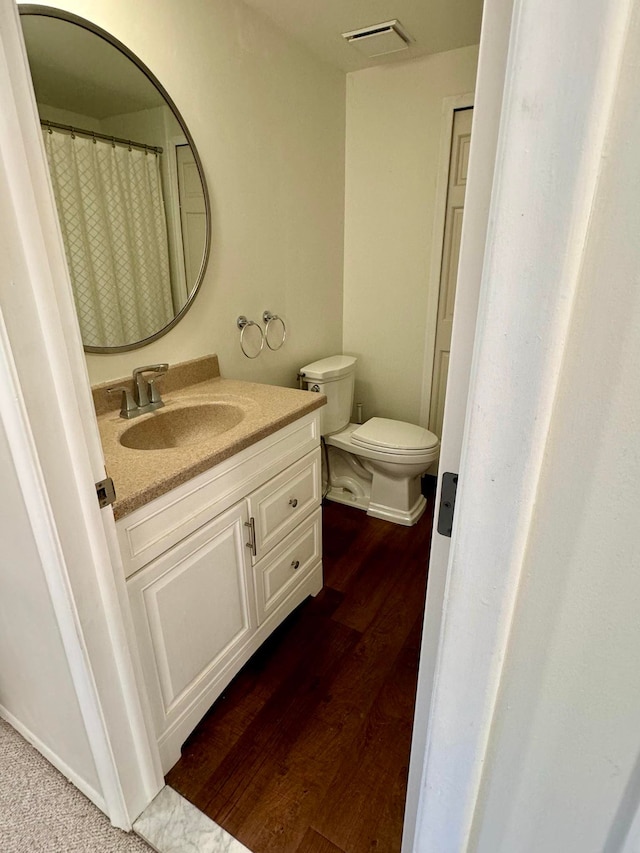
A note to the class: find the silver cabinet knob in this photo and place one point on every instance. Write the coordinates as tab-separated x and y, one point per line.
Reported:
295	565
293	502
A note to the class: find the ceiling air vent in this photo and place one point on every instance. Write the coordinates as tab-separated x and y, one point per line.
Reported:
379	39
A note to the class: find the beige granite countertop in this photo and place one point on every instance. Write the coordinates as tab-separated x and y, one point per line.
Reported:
140	476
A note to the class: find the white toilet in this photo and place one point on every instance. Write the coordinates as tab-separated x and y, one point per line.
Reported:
377	465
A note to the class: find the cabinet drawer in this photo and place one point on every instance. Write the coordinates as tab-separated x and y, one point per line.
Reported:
280	505
288	564
154	528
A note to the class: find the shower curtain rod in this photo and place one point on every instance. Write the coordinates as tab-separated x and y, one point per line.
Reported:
95	135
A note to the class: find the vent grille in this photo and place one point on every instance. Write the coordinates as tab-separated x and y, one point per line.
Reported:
379	39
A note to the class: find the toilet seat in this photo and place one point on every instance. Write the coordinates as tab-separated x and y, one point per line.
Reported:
397	437
344	440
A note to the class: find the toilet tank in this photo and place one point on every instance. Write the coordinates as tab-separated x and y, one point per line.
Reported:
333	376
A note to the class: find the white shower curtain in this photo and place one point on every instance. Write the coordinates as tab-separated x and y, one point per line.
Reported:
111	212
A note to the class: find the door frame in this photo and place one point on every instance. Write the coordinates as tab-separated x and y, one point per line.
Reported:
490	83
449	107
173	143
57	453
555	106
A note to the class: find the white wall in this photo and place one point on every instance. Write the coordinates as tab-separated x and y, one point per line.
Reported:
563	773
394	115
268	121
37	694
69	117
148	126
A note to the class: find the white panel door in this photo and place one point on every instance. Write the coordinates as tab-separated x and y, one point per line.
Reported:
458	167
192	213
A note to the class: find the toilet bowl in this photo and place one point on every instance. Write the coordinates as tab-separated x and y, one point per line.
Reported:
376	466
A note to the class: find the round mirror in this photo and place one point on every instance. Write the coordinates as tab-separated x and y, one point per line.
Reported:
129	186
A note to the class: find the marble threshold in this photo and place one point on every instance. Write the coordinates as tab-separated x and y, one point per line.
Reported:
171	824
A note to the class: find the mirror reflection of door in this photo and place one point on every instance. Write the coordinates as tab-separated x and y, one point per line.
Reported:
458	166
192	213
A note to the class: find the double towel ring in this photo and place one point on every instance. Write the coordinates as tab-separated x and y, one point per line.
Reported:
268	318
243	324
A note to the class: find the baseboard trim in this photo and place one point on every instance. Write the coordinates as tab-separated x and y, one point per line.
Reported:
81	784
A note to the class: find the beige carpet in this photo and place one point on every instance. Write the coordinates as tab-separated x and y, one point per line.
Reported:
41	812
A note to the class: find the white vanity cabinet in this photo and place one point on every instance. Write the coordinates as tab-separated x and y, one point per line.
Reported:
214	565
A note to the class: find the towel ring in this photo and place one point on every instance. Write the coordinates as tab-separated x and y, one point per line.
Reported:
243	324
268	318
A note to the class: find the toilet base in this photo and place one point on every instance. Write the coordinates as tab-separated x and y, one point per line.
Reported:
342	496
408	519
353	483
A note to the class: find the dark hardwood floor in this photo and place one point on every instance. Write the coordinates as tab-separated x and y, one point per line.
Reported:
307	750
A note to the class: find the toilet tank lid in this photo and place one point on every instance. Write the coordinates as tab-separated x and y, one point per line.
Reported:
326	369
394	435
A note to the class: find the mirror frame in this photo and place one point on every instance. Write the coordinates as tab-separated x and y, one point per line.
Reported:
49	12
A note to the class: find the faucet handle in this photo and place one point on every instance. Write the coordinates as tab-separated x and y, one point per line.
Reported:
154	394
129	408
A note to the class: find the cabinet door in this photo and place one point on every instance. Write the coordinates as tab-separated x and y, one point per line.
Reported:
281	504
193	608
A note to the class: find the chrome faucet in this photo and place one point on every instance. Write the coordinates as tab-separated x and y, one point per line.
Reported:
146	396
145	392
